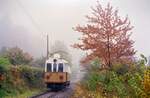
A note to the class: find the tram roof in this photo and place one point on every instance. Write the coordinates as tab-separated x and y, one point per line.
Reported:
59	60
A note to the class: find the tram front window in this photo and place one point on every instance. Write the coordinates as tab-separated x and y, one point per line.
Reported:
49	67
54	67
60	67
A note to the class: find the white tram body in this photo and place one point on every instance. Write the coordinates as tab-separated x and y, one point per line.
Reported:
57	72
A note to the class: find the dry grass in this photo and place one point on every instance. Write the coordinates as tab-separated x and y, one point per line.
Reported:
81	92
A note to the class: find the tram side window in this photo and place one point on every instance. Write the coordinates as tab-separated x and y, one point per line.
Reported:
60	67
49	67
54	67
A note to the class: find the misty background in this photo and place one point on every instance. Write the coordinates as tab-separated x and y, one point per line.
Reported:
25	23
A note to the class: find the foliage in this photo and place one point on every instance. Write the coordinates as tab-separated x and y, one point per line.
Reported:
17	56
108	81
144	59
120	69
122	81
92	81
7	86
115	84
146	82
25	94
4	61
134	84
18	79
95	64
4	64
106	36
80	91
33	77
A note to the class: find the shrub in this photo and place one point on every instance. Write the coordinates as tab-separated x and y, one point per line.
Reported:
92	81
120	69
4	65
114	85
95	64
4	61
134	82
122	81
20	78
7	86
146	82
108	81
81	92
33	77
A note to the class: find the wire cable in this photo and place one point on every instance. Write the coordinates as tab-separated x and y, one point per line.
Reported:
29	16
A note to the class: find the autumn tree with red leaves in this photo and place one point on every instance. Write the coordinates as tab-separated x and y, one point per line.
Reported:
106	36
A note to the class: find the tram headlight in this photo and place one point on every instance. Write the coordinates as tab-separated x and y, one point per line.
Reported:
47	77
61	77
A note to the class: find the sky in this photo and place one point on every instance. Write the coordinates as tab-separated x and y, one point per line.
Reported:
25	23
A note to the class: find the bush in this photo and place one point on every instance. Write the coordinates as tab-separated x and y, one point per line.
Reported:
119	81
115	84
4	61
120	69
92	81
4	65
109	81
81	92
33	77
146	82
7	86
20	78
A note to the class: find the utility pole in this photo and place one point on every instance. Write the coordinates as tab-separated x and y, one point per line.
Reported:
47	46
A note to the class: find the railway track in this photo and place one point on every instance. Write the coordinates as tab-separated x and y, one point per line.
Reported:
65	93
45	93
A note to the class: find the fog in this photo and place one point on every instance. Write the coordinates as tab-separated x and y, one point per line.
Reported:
25	23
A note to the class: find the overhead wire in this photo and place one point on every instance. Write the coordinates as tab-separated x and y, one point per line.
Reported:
30	17
33	22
